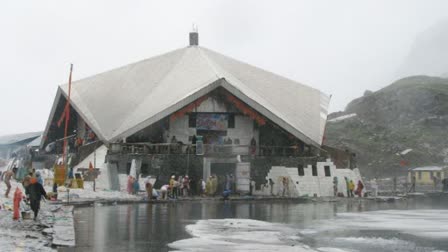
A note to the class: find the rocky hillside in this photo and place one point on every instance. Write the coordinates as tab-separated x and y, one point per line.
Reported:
411	113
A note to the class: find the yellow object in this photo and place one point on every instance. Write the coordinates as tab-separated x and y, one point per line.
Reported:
73	184
351	185
80	183
59	174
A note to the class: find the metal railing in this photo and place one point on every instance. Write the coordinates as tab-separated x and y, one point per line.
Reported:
209	149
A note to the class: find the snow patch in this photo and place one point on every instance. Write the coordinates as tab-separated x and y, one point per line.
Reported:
241	235
64	229
341	118
406	151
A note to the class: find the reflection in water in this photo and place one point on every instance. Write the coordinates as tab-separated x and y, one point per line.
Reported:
150	227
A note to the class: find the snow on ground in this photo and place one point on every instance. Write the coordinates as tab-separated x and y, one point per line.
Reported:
75	193
27	234
64	227
88	194
20	236
242	235
405	151
341	118
23	235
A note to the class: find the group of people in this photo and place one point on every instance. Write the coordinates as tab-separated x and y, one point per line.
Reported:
284	189
34	191
179	186
350	186
185	186
133	187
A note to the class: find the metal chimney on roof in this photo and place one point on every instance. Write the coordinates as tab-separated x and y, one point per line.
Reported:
194	36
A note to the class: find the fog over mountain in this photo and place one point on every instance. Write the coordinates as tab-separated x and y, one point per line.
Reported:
429	54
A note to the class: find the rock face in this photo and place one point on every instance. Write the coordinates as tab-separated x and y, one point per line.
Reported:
411	113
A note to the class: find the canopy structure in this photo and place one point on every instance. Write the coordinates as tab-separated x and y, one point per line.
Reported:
19	138
120	102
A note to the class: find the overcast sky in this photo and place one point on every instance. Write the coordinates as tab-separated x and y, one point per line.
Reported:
339	47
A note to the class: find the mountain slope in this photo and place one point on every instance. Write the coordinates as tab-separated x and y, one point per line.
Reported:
411	113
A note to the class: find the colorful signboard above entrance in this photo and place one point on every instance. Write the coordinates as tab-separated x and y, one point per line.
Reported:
211	121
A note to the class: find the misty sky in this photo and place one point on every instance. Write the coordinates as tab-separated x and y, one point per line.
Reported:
339	47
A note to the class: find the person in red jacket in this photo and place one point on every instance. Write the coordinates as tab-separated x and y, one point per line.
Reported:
359	189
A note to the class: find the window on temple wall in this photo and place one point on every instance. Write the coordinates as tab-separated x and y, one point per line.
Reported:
144	169
327	171
231	121
192	120
301	170
438	174
314	170
419	175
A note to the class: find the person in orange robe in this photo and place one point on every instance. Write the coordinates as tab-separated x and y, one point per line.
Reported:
17	198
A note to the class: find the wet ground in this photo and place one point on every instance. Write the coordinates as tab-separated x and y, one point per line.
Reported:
408	225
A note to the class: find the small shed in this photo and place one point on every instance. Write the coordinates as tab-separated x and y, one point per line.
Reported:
425	174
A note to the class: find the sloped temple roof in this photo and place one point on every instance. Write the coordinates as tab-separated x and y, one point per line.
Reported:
122	101
17	138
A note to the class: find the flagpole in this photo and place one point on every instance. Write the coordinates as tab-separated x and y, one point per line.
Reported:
67	116
94	167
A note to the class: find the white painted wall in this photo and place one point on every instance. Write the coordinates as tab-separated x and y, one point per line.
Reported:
103	181
309	184
179	128
244	126
211	105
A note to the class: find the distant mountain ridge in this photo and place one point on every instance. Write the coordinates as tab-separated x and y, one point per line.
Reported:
411	113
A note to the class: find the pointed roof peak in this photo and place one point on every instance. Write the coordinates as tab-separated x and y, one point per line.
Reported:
160	85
